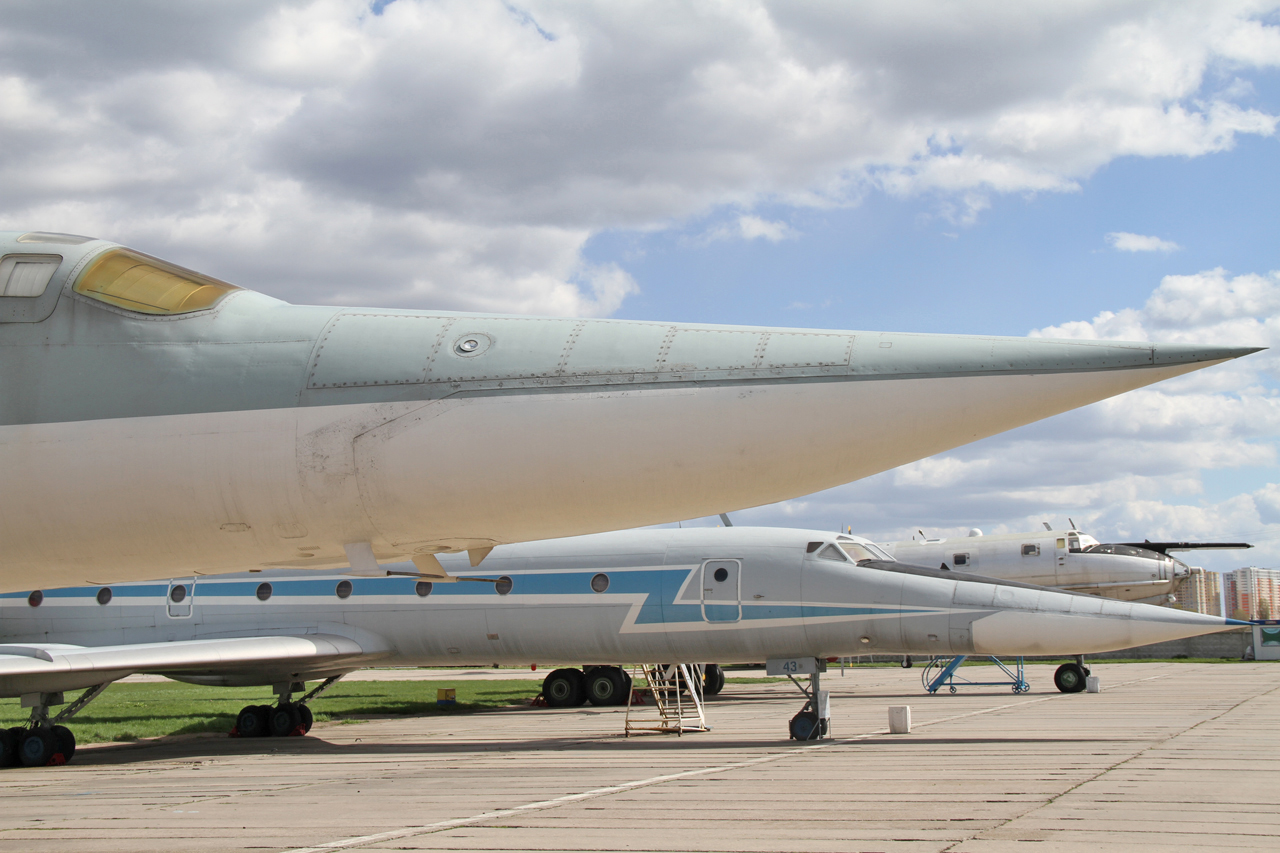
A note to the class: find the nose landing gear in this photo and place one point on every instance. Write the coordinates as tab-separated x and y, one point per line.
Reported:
1070	677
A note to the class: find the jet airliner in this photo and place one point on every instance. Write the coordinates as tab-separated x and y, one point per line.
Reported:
734	595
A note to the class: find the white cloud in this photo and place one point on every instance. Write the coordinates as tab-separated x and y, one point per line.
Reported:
749	227
1123	241
465	152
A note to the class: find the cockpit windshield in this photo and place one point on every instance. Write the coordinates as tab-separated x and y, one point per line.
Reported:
1125	551
860	551
139	282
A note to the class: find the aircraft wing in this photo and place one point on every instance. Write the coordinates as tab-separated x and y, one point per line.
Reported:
50	667
1166	547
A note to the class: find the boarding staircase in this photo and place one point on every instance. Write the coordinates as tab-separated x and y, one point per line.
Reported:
677	700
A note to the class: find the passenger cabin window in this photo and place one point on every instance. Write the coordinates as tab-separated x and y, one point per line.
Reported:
129	279
831	552
27	275
959	559
1031	550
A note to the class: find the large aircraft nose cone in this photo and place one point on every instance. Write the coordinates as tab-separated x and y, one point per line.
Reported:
1044	622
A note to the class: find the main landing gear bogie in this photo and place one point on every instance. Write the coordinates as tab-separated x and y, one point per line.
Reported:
603	686
44	741
286	719
600	685
37	746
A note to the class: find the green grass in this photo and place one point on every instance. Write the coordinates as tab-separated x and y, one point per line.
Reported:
127	712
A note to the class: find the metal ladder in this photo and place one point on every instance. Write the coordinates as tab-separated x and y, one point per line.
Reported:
676	700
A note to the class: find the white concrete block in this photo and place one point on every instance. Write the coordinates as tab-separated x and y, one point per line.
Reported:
900	719
1092	684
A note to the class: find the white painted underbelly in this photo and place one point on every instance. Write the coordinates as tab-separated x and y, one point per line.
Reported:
139	498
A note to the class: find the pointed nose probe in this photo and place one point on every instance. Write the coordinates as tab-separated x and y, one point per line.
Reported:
1017	620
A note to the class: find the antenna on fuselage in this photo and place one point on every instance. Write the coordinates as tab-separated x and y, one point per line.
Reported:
1046	525
724	516
1073	524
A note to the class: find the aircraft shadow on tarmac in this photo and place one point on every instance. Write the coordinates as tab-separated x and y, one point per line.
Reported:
217	748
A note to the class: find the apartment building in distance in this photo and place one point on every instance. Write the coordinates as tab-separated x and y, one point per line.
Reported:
1251	593
1200	593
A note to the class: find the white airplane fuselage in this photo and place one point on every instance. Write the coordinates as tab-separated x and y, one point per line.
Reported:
706	594
1066	559
155	421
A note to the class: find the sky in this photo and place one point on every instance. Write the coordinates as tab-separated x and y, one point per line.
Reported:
1088	170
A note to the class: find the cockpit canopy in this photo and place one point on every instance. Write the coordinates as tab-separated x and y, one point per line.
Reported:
138	282
1127	551
857	550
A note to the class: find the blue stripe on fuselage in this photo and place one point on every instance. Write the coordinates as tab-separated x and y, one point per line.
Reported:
659	586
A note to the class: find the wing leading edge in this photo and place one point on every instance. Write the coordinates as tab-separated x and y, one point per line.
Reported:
51	667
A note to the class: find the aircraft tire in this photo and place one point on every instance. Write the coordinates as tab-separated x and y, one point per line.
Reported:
1069	678
64	743
36	749
564	688
283	720
805	726
712	679
8	749
252	721
606	685
307	718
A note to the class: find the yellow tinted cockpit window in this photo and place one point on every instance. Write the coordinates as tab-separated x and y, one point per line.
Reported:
142	283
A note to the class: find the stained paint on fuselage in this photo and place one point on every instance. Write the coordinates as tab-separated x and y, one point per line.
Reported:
254	433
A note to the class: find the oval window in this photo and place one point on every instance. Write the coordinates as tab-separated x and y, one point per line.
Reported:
35	598
264	591
343	589
721	575
600	582
178	593
104	595
422	588
503	586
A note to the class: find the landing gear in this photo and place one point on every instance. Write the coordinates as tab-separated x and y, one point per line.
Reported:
286	718
712	679
284	721
37	748
252	721
44	740
806	725
8	748
814	720
64	743
564	688
1069	678
605	685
